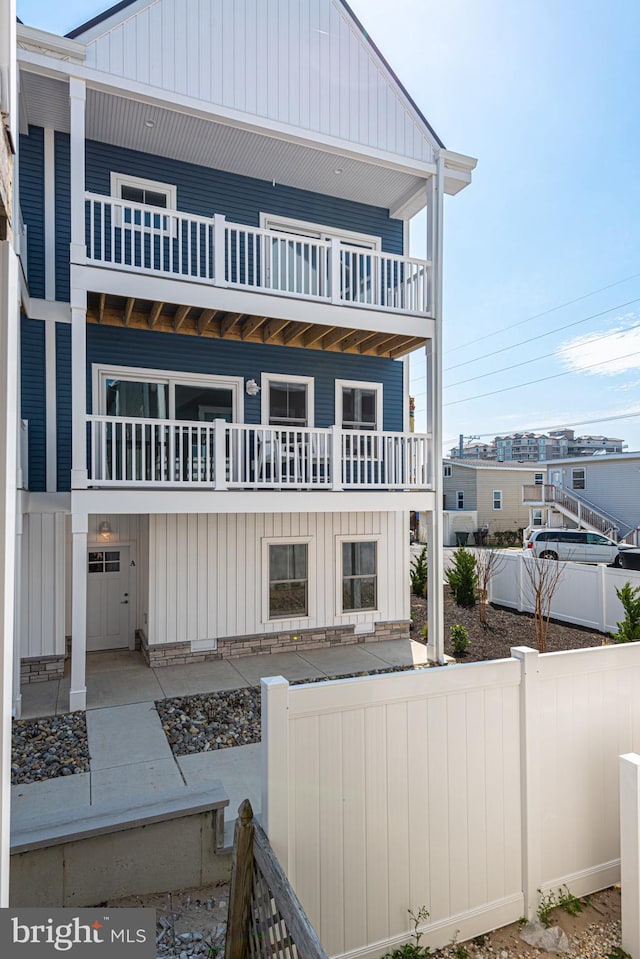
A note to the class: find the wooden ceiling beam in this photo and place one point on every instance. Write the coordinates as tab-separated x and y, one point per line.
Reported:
228	322
101	301
296	330
407	344
379	339
154	313
313	335
272	329
355	339
250	325
335	336
180	316
128	310
204	320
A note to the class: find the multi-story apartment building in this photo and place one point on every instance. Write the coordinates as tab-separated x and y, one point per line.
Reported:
523	447
221	298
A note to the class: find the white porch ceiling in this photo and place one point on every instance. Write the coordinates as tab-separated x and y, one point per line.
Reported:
121	121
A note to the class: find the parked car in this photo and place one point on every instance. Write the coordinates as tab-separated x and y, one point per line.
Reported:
631	558
579	545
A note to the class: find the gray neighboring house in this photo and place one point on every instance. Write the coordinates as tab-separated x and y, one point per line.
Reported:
601	493
483	493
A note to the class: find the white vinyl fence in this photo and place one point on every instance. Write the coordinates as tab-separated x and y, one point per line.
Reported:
586	595
463	788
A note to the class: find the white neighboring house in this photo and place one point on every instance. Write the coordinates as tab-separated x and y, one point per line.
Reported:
221	301
10	291
600	493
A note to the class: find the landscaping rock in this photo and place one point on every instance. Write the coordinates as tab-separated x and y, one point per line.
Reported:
551	939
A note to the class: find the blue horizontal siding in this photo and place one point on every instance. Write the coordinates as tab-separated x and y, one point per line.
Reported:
63	214
63	405
32	350
169	351
31	184
204	191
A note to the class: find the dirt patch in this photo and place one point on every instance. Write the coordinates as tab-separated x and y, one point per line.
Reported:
505	628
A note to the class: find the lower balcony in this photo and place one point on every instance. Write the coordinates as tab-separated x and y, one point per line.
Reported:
171	454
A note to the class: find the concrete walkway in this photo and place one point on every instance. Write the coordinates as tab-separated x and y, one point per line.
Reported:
130	755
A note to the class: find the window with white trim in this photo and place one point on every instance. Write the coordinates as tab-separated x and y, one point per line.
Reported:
358	405
537	518
446	471
137	189
459	499
359	575
497	499
318	231
538	479
287	400
167	394
288	580
579	478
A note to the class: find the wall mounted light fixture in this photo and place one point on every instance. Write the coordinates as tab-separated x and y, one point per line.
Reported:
104	530
252	388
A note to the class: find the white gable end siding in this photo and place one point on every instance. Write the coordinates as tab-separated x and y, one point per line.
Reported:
299	62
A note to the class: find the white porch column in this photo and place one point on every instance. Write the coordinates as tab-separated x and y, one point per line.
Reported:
77	98
78	691
435	207
17	618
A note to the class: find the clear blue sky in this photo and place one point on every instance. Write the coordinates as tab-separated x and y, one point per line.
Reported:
545	95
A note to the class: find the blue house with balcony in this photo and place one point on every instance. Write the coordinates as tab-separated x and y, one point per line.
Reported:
218	306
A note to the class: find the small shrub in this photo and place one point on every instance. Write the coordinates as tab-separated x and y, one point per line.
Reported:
419	572
425	632
460	639
629	627
412	950
462	577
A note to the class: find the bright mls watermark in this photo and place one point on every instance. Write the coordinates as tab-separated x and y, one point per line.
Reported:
121	933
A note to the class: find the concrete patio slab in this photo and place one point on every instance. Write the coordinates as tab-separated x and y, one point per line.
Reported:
237	768
343	659
122	735
39	699
195	678
400	652
289	665
135	781
123	686
30	800
110	659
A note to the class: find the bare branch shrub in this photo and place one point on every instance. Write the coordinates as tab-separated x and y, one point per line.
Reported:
488	563
542	577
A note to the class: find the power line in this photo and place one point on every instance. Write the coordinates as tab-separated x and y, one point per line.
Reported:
541	336
536	316
556	426
542	379
545	356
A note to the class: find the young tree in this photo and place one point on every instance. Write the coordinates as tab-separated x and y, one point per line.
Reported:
488	563
542	577
629	627
462	577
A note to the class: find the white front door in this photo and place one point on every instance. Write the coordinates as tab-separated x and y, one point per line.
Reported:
108	598
556	477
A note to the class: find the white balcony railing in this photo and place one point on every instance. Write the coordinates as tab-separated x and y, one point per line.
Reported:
131	236
131	452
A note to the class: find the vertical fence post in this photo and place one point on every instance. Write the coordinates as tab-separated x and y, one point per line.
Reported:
220	454
530	775
335	280
275	765
630	851
219	251
237	940
336	458
602	595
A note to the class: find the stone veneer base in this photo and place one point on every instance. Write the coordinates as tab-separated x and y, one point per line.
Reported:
174	654
41	669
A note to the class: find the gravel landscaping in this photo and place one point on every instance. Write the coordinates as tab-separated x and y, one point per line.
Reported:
48	748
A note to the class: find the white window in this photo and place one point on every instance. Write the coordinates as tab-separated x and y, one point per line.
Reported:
104	561
460	499
359	575
538	479
167	394
287	400
286	572
358	405
318	231
537	518
497	499
139	190
446	470
578	478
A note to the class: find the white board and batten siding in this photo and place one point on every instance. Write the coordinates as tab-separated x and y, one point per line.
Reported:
464	789
208	576
42	579
303	63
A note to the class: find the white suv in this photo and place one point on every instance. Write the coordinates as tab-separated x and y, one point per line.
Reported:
579	545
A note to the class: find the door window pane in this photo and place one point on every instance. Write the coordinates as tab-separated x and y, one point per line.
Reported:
288	584
137	399
359	576
203	403
287	404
